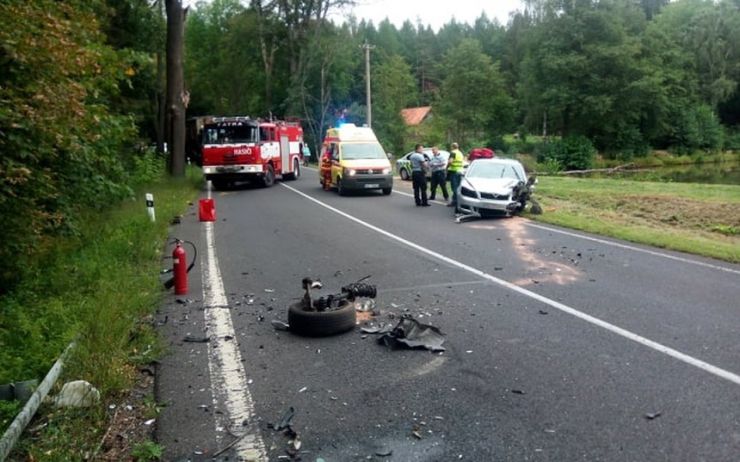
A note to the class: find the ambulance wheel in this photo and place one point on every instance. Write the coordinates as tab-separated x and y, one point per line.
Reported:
296	171
341	189
269	178
387	191
321	323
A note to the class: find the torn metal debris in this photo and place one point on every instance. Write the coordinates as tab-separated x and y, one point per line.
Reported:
409	333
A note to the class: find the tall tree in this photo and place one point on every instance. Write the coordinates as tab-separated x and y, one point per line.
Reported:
176	96
473	99
393	90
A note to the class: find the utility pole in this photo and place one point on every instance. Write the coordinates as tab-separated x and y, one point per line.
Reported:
367	47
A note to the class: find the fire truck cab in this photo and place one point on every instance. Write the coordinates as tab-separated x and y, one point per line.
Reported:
245	149
353	159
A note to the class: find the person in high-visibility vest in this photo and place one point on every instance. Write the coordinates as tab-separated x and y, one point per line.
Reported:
454	172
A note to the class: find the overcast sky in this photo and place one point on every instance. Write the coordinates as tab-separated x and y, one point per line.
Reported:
431	12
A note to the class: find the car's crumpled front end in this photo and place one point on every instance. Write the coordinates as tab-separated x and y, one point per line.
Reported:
488	196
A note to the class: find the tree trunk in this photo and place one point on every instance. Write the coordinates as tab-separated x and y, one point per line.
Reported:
175	87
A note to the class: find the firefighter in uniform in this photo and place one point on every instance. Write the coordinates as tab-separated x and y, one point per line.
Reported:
454	172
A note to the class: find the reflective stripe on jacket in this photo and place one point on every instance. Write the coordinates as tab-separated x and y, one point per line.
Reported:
456	161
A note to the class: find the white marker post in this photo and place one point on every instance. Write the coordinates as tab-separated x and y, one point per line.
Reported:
150	206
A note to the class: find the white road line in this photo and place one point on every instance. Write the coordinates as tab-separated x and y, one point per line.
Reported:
228	381
614	244
636	249
727	375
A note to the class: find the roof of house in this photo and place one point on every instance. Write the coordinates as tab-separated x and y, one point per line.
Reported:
415	115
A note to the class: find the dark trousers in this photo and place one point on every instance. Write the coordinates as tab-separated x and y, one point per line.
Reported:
419	181
455	178
439	178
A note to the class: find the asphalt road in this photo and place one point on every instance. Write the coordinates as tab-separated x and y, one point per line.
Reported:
559	346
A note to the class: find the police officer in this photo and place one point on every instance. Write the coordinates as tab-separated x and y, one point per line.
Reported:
454	172
418	176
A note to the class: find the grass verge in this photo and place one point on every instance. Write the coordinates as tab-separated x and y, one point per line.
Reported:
697	218
100	288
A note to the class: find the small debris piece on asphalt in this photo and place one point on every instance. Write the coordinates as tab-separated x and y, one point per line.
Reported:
284	421
518	392
192	339
280	325
410	333
384	452
302	389
652	415
182	301
543	312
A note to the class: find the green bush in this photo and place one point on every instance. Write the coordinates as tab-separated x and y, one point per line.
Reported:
572	152
696	128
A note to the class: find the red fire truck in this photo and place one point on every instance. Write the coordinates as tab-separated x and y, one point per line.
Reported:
245	149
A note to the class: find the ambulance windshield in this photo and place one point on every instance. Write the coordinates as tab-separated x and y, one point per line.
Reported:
352	151
229	133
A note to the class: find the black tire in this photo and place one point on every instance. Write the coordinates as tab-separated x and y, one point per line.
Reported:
404	174
269	177
341	189
387	191
296	171
321	323
219	184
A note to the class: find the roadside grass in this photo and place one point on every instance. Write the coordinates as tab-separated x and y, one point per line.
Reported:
99	288
701	219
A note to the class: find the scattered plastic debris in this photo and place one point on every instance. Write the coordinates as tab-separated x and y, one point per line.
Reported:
280	325
518	392
302	389
410	333
652	415
284	421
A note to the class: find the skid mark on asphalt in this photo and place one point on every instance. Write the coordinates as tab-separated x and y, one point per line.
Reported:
690	360
559	273
228	382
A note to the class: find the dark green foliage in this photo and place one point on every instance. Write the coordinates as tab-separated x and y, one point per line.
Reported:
64	147
571	153
696	128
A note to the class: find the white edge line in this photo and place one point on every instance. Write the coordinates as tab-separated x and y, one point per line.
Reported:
617	244
228	381
629	247
727	375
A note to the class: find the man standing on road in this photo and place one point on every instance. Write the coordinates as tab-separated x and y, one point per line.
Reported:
438	165
418	176
454	171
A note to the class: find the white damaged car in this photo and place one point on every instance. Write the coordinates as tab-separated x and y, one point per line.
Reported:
494	187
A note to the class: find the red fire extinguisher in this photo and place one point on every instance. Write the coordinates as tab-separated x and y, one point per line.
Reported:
180	269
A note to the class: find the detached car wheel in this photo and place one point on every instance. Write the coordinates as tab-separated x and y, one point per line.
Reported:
321	323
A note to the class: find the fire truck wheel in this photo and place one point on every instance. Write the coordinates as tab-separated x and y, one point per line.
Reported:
296	171
269	178
321	323
219	184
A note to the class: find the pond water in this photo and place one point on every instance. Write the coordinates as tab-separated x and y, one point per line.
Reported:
712	173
